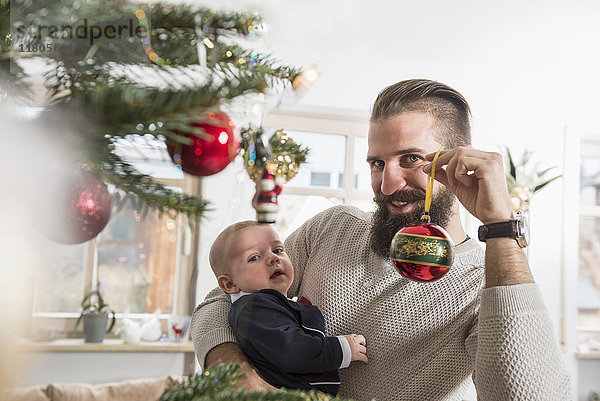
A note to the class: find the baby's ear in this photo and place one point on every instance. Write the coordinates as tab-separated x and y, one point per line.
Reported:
227	284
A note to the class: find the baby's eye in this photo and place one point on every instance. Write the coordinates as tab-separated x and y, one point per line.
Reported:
278	251
253	258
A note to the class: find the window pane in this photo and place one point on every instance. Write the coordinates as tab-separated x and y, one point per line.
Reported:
136	261
327	157
59	277
590	182
296	209
588	285
149	156
362	173
320	179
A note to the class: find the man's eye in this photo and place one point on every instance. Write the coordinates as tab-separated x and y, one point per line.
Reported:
377	163
253	258
411	159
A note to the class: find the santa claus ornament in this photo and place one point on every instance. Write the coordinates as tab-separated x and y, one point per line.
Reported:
265	201
423	251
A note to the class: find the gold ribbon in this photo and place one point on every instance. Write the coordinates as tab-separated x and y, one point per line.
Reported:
429	190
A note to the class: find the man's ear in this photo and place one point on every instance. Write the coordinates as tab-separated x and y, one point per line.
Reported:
227	284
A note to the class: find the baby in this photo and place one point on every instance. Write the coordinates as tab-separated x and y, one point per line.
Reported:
284	339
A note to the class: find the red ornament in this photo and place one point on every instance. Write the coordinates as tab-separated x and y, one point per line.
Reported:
422	252
81	211
212	151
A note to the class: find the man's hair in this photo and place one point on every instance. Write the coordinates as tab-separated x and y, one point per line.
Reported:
449	108
220	250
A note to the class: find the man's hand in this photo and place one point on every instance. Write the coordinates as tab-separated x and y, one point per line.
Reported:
358	346
477	179
231	353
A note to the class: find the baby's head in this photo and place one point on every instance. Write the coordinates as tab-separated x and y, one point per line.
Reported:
248	256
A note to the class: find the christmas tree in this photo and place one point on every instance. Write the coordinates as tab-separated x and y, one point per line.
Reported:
219	384
175	74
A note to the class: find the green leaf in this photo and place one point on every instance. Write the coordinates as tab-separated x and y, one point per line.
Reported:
525	158
543	172
542	185
512	168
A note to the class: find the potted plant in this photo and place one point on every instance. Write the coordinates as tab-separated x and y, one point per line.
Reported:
94	313
524	181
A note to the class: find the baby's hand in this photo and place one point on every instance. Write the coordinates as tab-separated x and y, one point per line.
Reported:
358	346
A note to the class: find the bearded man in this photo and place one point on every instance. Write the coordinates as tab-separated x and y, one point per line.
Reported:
485	321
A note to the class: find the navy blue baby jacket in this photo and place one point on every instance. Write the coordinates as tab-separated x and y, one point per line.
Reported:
285	341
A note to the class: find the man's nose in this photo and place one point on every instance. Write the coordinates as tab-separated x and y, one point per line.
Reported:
392	179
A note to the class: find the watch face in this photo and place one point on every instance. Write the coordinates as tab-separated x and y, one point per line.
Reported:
523	230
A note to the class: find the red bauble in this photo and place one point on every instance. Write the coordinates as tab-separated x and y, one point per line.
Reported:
211	152
422	252
80	209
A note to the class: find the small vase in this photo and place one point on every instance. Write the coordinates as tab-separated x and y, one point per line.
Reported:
94	326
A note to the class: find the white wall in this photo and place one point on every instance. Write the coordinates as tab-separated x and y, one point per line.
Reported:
528	69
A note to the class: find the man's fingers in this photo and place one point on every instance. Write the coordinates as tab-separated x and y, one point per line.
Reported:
463	165
360	339
361	355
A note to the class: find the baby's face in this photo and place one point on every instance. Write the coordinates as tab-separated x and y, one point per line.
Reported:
259	261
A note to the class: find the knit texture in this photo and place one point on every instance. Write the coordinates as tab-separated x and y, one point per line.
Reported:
424	340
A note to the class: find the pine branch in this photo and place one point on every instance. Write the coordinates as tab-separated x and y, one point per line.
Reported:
219	384
82	143
185	16
113	87
154	195
11	73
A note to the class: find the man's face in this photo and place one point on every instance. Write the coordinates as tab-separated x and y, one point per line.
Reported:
396	155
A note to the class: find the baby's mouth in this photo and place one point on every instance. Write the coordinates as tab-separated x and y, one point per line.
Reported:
276	274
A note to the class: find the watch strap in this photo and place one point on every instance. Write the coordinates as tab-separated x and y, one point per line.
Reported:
498	230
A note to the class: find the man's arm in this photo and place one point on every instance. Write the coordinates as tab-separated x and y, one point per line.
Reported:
515	353
214	341
231	353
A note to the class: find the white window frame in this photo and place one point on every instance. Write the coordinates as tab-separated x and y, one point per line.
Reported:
351	127
576	144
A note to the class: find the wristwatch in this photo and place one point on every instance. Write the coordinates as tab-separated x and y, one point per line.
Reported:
516	228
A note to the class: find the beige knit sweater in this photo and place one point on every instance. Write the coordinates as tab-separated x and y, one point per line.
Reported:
424	340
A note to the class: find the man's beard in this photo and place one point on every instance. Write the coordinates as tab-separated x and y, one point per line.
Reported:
386	224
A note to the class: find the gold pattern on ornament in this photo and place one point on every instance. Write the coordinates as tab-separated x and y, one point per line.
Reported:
416	247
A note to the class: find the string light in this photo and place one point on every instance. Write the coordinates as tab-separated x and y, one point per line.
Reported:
307	77
152	55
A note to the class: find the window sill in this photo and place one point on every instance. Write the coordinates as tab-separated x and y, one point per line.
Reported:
588	354
109	345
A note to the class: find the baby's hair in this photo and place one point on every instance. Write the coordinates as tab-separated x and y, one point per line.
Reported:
219	251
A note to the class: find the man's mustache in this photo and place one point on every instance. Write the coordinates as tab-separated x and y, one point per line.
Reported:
408	195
